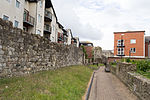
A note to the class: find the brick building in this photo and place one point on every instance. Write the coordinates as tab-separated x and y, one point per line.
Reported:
129	44
89	50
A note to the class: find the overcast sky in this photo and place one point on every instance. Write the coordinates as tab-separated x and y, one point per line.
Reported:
96	20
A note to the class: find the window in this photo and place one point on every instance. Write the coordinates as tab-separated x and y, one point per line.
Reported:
39	32
40	3
17	4
8	0
5	17
133	50
120	51
120	42
39	18
133	41
16	24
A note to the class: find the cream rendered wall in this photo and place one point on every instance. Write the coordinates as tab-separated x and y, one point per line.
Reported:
9	9
69	36
40	10
54	31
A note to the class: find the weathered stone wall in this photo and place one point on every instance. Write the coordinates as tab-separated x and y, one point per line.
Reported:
22	53
138	84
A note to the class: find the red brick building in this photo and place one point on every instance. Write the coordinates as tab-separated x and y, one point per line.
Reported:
89	49
129	44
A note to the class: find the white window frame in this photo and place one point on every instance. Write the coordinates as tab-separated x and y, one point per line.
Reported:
119	43
133	50
133	41
41	3
39	18
5	16
17	3
39	32
16	23
120	51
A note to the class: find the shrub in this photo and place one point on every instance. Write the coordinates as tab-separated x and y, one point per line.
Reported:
143	65
128	60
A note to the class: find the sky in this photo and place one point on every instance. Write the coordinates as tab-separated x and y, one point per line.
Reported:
97	20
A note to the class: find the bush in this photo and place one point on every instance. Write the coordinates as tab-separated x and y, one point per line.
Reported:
128	60
143	65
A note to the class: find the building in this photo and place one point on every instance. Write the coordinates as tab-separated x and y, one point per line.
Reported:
147	46
12	10
107	53
70	36
50	22
33	16
88	46
129	44
77	41
97	54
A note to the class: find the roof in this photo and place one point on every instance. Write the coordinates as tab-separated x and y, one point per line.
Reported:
48	4
129	32
86	42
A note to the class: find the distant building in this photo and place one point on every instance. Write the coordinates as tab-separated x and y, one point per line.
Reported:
108	53
147	46
129	44
77	41
89	49
97	54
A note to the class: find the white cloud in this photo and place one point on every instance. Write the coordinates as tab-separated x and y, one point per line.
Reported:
96	20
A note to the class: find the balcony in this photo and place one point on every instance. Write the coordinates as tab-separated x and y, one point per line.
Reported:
33	0
48	16
28	20
47	29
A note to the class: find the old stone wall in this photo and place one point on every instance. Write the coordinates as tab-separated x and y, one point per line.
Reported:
22	53
138	84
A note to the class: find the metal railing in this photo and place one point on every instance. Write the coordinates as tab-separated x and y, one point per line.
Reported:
48	14
47	28
28	19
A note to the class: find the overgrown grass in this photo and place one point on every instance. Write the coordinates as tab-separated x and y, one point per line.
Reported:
145	74
68	83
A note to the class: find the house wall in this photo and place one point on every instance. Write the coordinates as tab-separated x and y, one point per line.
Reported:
22	53
140	45
69	36
9	9
54	27
41	11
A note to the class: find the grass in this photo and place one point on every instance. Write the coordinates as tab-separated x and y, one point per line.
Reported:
68	83
145	74
95	67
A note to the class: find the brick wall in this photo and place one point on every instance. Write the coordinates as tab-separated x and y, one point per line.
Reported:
22	53
139	45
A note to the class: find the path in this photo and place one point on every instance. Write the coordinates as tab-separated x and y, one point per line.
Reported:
107	87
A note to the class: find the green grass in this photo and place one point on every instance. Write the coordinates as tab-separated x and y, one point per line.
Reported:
145	74
95	67
68	83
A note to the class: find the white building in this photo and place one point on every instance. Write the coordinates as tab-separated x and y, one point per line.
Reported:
77	40
69	32
12	10
33	16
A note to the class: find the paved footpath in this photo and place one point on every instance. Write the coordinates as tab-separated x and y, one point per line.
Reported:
107	87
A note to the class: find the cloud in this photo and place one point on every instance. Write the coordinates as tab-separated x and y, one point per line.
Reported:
96	20
68	16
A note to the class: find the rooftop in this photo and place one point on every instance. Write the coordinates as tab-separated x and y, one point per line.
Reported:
129	32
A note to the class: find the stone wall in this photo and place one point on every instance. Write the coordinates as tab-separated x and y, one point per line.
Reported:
138	84
22	53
